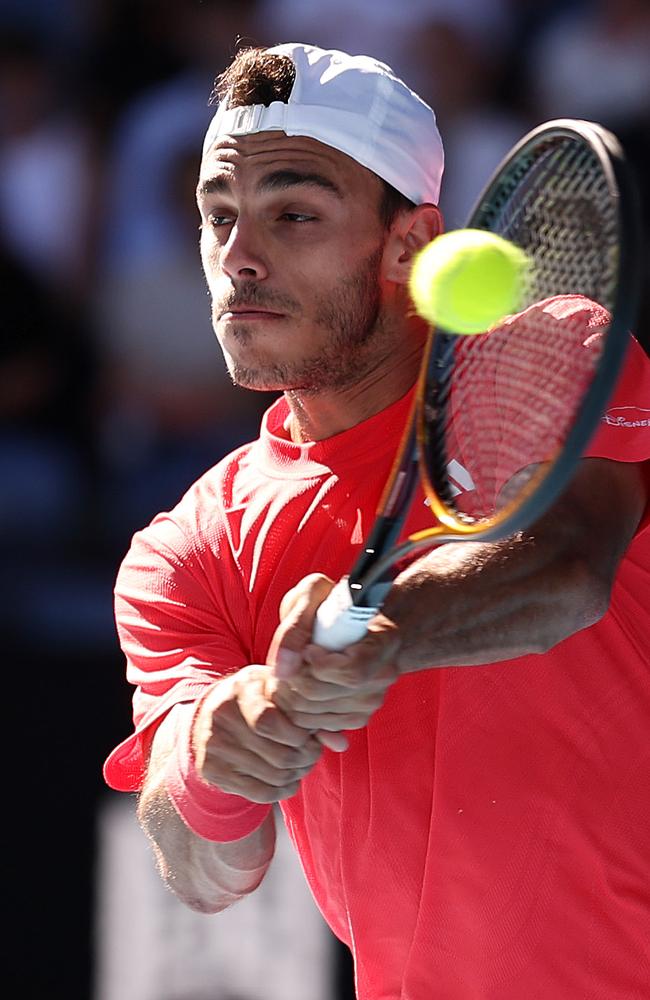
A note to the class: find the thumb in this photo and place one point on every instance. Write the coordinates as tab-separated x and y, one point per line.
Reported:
297	611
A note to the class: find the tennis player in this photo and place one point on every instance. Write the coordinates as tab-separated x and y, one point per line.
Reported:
472	834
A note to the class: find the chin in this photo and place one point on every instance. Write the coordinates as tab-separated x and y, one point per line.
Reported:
260	379
255	370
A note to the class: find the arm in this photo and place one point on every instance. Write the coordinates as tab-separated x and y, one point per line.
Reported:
471	603
206	876
222	752
244	746
496	601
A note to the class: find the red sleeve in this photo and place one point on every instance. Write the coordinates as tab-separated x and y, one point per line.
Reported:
624	430
174	612
623	434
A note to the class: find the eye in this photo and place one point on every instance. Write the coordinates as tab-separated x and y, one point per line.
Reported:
217	221
297	217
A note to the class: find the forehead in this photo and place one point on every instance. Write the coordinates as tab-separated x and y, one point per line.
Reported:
249	157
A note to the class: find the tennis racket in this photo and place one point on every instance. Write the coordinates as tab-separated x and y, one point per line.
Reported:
514	407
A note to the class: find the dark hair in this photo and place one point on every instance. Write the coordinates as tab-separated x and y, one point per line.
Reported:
256	76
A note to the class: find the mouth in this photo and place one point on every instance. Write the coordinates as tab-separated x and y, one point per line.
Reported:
250	313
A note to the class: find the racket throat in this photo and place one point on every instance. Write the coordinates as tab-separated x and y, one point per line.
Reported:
366	590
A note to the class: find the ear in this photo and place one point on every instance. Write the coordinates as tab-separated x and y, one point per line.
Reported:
411	232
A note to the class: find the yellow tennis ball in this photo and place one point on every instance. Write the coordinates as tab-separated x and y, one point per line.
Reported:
467	280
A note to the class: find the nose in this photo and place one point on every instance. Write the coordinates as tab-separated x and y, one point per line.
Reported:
242	255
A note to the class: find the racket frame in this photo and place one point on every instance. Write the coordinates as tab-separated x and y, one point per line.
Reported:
370	577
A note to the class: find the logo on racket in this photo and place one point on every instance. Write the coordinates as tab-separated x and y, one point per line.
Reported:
460	480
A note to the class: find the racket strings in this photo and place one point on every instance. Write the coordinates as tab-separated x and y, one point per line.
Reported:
505	406
514	400
566	221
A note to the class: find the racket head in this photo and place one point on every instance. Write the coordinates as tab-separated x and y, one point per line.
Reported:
512	410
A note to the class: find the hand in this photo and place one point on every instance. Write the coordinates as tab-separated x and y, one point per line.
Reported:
317	689
245	745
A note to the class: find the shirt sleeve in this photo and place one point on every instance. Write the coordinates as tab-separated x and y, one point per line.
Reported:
181	613
623	433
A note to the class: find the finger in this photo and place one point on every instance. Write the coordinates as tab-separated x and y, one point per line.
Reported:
229	767
263	718
348	670
291	702
298	610
304	689
371	659
258	791
308	688
333	722
280	755
310	583
234	763
338	742
266	794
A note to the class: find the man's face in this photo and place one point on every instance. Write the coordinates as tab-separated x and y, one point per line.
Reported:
292	245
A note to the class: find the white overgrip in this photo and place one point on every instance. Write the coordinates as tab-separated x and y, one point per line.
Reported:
338	622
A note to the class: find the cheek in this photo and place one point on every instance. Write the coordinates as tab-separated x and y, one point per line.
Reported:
209	255
217	281
313	275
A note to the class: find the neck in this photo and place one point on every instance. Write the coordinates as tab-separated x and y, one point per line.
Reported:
316	416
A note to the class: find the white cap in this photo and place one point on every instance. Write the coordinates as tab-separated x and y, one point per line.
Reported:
356	105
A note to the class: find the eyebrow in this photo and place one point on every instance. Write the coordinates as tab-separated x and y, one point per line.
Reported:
278	180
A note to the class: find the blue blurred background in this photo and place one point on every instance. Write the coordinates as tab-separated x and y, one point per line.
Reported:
113	395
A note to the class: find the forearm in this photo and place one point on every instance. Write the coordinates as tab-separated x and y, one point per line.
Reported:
468	604
472	603
207	876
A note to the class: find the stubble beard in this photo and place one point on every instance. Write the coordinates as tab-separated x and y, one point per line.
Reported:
351	313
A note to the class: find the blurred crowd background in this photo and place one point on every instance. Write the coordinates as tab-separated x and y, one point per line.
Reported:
113	395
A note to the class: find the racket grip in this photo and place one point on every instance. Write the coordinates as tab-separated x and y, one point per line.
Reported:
339	622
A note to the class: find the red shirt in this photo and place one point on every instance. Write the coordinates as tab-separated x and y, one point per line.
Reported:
487	835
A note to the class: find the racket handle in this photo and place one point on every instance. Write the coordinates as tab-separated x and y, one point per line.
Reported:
339	622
